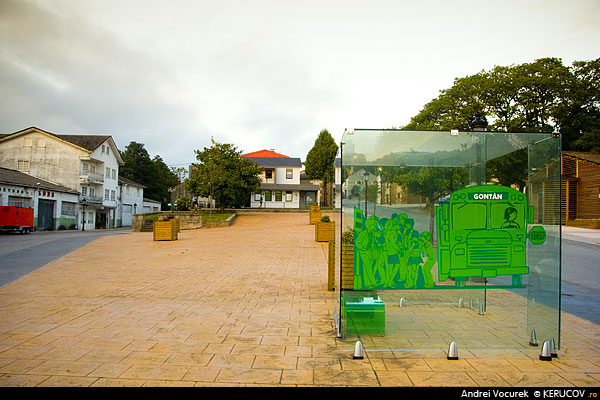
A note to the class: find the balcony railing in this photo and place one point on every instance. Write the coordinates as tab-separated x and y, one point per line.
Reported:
91	177
91	199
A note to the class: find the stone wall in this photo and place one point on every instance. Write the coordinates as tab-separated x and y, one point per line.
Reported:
187	220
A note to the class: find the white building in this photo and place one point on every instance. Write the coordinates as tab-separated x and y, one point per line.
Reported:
86	164
131	200
151	206
54	206
337	194
281	186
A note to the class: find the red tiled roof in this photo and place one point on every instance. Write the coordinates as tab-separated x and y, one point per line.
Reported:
265	153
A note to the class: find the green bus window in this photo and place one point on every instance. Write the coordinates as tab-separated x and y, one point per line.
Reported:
469	216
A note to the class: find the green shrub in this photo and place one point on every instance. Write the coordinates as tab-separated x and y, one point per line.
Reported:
348	237
325	218
184	204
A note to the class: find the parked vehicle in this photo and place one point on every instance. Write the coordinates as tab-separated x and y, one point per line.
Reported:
16	219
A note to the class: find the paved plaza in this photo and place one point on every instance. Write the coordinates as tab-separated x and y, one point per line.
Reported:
244	305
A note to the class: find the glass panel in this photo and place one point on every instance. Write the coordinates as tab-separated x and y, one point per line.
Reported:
438	247
544	280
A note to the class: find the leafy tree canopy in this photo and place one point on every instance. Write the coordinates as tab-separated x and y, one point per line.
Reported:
223	175
152	173
432	183
321	158
543	96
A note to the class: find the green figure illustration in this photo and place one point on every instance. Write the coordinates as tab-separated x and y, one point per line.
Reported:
428	251
414	259
482	231
402	254
510	216
378	250
393	252
364	245
406	247
388	253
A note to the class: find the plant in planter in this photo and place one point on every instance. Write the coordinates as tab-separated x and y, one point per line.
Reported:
314	214
324	229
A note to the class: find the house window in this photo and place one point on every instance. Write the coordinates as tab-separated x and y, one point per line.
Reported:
289	173
278	195
27	142
102	149
23	165
267	195
112	195
68	209
257	197
288	196
92	192
92	169
107	173
114	174
84	190
269	174
85	169
107	150
105	194
41	143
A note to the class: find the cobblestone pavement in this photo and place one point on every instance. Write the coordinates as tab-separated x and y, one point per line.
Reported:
245	305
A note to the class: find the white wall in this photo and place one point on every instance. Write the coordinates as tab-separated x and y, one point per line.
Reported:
294	203
106	154
280	176
50	159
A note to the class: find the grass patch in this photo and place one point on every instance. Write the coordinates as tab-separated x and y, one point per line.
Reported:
216	216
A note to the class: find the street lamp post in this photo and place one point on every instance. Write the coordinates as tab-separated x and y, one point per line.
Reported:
479	124
366	175
84	205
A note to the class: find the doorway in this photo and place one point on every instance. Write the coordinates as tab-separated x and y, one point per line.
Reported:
45	220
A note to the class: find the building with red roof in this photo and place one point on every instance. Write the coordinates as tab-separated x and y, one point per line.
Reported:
281	183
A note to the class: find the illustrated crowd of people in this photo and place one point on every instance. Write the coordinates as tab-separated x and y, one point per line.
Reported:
391	251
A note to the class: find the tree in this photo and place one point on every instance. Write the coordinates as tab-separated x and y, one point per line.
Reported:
320	162
432	182
184	204
543	96
165	179
152	173
138	166
223	175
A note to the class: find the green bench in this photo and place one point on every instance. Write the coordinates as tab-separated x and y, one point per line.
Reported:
363	313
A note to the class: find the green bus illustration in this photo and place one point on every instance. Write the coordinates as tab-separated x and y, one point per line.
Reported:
482	232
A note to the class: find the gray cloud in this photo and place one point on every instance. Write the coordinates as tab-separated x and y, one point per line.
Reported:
64	74
260	74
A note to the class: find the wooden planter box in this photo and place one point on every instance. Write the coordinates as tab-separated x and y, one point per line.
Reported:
324	231
165	230
314	215
347	266
331	266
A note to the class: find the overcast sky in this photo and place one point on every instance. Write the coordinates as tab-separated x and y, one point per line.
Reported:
260	74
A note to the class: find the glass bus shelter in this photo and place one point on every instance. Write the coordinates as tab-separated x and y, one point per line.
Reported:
435	249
